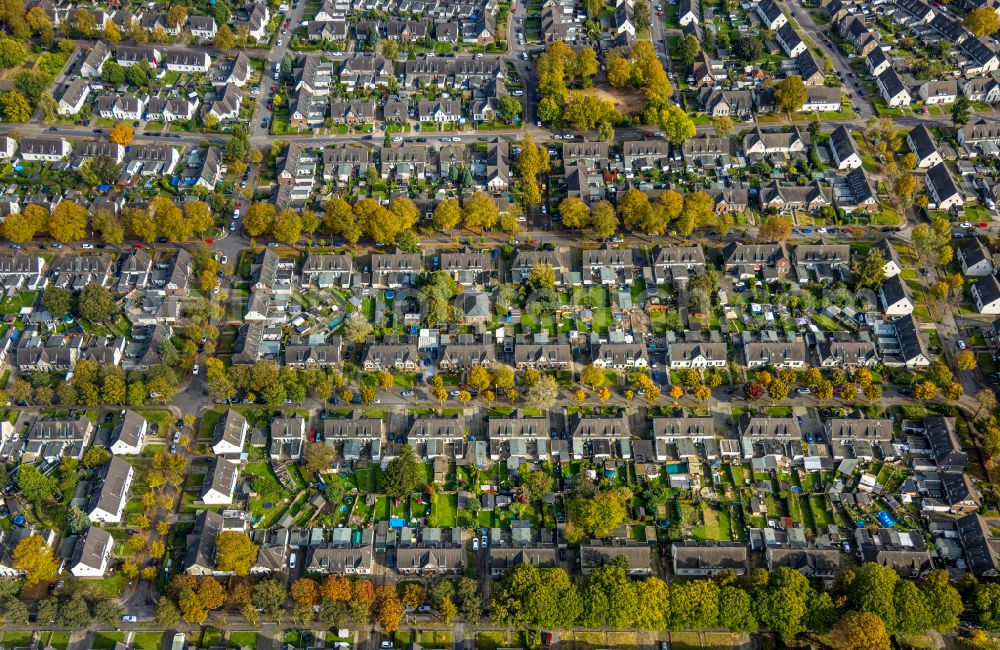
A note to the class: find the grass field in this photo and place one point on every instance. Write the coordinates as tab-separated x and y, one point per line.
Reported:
444	509
147	640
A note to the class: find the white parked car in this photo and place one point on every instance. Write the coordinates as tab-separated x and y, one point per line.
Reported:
129	619
194	371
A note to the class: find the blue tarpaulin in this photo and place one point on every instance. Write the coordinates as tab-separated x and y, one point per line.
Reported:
886	520
396	522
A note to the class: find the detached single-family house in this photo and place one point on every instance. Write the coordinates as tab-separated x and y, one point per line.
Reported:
129	434
973	257
91	553
219	486
107	503
986	295
921	143
895	297
230	434
73	97
943	190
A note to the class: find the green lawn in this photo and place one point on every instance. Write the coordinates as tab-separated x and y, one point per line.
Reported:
147	640
444	509
243	639
208	422
102	641
20	640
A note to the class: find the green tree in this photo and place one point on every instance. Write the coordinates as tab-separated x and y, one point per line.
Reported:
404	474
603	219
776	228
723	125
598	515
910	604
609	598
961	108
259	218
987	605
653	604
542	394
68	222
790	94
287	227
57	300
15	107
694	605
869	271
676	124
12	53
873	591
356	327
782	604
224	39
944	603
534	484
481	212
269	596
35	486
447	214
736	610
575	213
96	304
526	596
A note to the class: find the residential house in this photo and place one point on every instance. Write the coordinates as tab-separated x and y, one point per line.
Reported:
904	552
468	268
390	356
877	62
893	265
44	149
895	297
704	560
921	143
395	270
973	257
327	270
942	189
776	354
129	434
893	89
982	554
95	59
107	502
677	263
187	61
638	557
938	91
986	295
229	434
790	41
608	266
697	354
771	16
92	553
73	97
219	486
543	356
